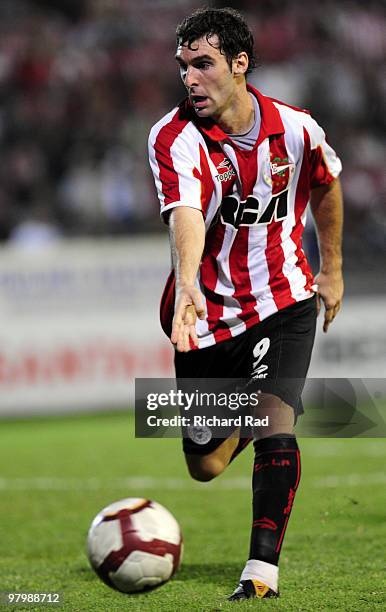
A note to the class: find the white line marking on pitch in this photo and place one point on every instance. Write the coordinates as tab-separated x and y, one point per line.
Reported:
149	482
331	449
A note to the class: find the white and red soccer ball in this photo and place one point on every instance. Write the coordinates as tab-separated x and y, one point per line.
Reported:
135	545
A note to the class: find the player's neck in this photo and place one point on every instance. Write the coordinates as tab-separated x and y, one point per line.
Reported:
239	116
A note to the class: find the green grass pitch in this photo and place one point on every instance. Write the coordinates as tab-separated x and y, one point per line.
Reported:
56	474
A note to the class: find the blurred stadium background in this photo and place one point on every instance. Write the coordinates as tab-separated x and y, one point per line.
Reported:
83	255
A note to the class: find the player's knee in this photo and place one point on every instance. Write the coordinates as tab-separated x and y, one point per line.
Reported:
276	416
205	469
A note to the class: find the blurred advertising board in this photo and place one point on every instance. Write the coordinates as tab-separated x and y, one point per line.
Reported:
79	322
354	346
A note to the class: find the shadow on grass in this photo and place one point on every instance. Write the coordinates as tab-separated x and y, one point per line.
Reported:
211	573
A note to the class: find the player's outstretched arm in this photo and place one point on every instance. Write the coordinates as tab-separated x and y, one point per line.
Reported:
327	208
187	239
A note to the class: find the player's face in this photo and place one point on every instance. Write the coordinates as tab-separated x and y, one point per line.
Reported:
207	76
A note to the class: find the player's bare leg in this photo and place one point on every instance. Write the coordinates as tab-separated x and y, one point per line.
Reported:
207	467
281	421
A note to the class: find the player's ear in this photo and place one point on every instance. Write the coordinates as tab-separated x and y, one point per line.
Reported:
240	64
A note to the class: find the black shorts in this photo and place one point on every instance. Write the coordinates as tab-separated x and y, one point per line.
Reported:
273	355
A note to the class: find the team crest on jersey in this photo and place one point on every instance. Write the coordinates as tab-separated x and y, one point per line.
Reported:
225	171
278	173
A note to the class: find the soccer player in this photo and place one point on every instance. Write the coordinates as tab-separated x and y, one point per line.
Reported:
234	171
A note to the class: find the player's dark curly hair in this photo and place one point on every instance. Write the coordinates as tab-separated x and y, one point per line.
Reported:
229	25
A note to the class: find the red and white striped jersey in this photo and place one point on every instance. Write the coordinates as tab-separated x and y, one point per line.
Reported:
254	205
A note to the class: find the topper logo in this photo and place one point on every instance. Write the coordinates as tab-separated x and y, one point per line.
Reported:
226	166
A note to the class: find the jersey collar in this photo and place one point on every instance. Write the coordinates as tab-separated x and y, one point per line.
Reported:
271	122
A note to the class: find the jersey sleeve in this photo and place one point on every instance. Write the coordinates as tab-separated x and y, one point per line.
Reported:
325	165
174	168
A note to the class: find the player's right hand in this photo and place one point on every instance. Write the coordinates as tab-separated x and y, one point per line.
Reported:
189	306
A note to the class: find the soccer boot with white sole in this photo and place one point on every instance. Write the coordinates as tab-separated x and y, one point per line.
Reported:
250	589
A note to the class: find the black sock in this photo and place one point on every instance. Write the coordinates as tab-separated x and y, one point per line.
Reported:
276	476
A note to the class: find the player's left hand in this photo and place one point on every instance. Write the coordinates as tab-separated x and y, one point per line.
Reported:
330	289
